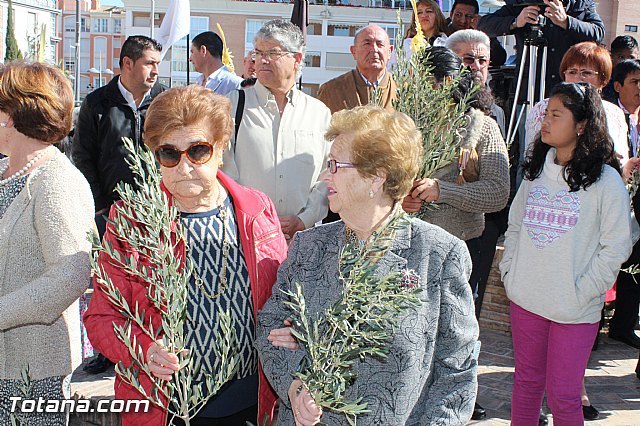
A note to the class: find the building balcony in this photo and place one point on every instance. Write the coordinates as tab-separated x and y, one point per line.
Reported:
380	4
44	4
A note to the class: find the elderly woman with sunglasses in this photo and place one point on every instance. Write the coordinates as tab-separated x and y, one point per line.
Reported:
232	235
429	376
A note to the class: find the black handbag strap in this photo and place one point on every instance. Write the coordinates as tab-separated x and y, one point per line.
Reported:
239	112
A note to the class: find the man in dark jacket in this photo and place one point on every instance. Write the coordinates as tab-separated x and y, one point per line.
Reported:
110	113
567	23
464	16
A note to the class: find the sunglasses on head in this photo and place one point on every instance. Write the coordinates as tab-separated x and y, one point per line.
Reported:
198	153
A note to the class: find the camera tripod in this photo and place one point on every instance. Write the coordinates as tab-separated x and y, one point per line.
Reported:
534	40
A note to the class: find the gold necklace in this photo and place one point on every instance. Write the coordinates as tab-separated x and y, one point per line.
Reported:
222	210
225	255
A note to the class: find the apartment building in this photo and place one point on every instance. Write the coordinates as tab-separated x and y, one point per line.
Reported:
30	18
102	32
330	32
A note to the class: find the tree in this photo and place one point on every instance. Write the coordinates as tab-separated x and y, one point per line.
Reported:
12	51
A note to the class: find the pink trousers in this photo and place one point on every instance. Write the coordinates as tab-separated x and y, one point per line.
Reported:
548	356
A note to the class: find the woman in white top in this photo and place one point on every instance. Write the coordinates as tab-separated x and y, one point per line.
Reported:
590	63
433	25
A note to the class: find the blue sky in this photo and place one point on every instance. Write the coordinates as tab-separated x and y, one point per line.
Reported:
112	3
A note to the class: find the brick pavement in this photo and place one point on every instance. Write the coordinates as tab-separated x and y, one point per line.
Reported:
611	381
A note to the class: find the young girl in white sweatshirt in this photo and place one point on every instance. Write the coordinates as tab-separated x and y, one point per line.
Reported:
569	232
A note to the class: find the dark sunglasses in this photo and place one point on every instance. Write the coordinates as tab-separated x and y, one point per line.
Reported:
198	153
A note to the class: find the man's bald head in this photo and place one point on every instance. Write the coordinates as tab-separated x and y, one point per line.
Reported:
371	50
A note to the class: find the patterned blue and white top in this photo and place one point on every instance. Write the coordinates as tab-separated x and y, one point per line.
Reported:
206	233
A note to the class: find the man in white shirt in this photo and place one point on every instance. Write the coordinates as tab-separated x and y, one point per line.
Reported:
280	147
206	57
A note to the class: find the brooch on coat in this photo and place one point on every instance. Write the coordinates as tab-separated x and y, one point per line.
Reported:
410	279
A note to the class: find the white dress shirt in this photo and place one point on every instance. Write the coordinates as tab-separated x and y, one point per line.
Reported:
282	155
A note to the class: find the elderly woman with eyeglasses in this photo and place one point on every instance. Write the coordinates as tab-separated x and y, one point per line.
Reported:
429	376
234	238
590	63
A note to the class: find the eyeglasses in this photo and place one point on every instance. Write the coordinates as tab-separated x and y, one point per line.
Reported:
198	153
333	166
469	60
573	72
269	54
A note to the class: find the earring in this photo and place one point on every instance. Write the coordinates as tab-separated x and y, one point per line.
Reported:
371	193
3	124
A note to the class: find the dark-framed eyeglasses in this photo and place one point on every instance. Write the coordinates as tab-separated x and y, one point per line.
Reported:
198	153
333	166
268	54
469	60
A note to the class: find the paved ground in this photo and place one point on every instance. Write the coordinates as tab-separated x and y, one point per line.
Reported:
611	382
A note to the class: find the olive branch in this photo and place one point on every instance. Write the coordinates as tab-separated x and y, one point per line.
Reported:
360	324
439	118
148	225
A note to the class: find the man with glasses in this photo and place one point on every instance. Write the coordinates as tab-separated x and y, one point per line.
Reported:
464	16
206	57
279	146
472	47
371	50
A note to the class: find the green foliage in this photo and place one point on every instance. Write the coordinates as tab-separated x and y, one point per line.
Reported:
149	227
12	51
438	117
358	325
432	107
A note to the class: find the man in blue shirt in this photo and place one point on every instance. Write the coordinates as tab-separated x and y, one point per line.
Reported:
206	57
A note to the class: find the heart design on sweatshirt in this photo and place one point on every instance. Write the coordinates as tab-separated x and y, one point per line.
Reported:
548	217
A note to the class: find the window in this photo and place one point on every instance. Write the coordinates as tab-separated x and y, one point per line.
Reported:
253	26
392	30
117	26
342	30
53	50
100	53
84	25
141	19
314	28
54	25
200	24
100	25
32	21
179	53
312	60
70	65
69	24
631	28
340	61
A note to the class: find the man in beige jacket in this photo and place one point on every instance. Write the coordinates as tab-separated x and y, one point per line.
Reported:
371	50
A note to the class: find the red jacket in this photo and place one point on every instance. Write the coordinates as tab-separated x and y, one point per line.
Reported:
264	247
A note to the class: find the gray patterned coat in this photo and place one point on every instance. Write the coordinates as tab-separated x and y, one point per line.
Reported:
429	377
